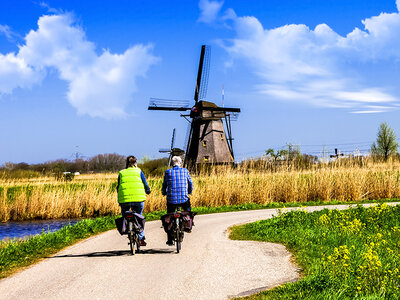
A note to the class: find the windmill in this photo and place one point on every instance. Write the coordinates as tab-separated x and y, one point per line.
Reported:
207	142
172	151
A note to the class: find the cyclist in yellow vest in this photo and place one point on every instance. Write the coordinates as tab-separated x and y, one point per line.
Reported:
132	189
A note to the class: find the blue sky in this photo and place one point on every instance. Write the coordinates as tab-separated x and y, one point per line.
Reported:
78	75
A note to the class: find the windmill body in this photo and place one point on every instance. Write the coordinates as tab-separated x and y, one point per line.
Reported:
208	141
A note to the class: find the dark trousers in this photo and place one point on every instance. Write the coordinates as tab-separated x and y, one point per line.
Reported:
173	207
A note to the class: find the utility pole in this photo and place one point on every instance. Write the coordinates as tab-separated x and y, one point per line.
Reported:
76	153
324	154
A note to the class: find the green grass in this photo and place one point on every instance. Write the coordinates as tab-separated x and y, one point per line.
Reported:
352	254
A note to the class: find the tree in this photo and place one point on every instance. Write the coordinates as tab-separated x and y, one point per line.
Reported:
386	144
293	151
109	162
280	154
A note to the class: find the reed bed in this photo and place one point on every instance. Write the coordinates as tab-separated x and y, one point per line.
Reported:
95	195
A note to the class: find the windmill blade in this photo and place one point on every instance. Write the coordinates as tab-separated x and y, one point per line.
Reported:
168	104
222	109
203	73
173	139
164	150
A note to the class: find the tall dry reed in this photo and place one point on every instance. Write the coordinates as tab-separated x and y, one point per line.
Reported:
95	195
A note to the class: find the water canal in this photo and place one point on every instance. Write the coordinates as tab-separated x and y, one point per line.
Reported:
10	230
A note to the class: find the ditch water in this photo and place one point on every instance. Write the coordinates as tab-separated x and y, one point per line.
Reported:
10	230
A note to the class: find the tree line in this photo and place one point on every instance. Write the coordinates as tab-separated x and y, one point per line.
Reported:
101	163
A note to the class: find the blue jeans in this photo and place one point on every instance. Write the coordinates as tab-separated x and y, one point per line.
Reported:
137	207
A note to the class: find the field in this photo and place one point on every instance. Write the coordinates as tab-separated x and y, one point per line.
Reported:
352	254
95	195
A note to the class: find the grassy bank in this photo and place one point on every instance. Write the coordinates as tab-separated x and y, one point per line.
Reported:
352	254
17	254
95	195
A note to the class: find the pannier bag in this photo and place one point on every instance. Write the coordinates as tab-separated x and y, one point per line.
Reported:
137	220
186	217
167	221
187	220
121	225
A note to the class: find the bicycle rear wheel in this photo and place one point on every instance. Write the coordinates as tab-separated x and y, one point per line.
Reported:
178	241
137	243
131	242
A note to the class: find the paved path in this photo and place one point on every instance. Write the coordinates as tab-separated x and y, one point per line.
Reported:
209	266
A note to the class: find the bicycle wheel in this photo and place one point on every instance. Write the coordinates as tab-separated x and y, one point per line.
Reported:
131	242
178	242
137	242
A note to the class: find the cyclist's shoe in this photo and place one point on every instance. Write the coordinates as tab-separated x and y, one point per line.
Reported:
143	243
170	243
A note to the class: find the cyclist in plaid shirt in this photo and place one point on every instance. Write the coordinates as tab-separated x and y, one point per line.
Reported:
177	186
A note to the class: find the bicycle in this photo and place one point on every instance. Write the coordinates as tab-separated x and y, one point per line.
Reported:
179	226
177	231
133	232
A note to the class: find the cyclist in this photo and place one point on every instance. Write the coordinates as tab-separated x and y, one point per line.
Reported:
132	189
177	186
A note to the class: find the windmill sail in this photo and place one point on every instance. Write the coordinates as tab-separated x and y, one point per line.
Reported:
203	74
168	104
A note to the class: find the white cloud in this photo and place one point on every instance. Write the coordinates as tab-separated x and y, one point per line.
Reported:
99	85
49	8
15	73
319	66
6	30
209	10
8	33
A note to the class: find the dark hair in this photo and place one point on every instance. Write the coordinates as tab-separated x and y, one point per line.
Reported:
131	161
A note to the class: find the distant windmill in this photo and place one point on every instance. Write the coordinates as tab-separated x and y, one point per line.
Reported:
172	151
207	141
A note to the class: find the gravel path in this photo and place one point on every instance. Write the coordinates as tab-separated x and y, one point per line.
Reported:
209	266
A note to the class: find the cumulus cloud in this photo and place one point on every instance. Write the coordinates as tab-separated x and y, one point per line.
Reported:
319	66
209	10
14	73
100	85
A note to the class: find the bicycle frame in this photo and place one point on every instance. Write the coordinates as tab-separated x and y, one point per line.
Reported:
133	236
177	230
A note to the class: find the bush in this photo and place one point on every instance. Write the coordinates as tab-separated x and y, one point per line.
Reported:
154	167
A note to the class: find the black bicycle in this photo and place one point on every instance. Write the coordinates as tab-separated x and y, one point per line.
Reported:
177	232
181	222
133	232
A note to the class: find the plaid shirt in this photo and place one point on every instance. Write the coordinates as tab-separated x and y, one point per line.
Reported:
177	185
